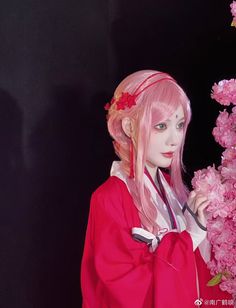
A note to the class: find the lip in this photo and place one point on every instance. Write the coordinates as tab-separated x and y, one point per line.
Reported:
168	154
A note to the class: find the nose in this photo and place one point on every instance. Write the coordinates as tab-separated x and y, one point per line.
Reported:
173	138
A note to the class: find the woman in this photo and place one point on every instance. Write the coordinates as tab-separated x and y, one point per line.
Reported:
146	240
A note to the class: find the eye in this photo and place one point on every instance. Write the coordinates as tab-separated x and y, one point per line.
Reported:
181	125
161	126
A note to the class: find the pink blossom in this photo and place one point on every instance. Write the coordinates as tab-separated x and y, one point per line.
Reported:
214	267
228	171
222	235
229	286
206	179
228	155
217	226
233	8
233	269
225	130
209	182
230	197
219	185
221	209
233	11
225	256
224	92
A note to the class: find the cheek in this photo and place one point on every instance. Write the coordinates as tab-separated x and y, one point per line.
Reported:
180	137
155	143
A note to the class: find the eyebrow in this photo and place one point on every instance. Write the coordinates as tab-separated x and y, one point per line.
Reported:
183	118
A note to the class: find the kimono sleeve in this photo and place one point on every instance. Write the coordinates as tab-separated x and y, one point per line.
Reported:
175	282
116	270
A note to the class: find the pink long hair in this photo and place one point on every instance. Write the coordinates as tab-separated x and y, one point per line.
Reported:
158	97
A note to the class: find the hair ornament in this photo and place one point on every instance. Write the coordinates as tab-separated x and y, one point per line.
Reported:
127	100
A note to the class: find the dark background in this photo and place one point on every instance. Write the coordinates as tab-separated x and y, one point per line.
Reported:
60	61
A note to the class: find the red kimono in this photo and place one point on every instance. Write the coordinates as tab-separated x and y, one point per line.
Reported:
119	272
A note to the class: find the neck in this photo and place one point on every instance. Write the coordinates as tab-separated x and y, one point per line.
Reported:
152	171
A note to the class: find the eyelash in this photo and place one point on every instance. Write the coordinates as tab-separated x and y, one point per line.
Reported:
180	126
158	126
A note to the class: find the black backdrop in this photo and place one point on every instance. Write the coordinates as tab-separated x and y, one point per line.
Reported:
59	63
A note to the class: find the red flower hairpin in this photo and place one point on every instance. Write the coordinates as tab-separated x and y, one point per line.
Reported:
126	100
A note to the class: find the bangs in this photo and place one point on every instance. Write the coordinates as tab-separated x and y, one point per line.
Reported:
165	100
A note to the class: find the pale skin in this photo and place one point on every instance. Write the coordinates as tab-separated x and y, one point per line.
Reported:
166	137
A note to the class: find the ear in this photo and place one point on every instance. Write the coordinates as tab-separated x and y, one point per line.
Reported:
128	126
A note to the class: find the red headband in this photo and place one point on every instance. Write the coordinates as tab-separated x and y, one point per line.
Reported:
127	100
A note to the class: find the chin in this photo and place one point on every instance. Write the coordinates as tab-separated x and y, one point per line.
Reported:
166	163
160	163
164	166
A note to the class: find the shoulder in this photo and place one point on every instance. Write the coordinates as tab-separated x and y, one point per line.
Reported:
113	200
110	195
111	188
